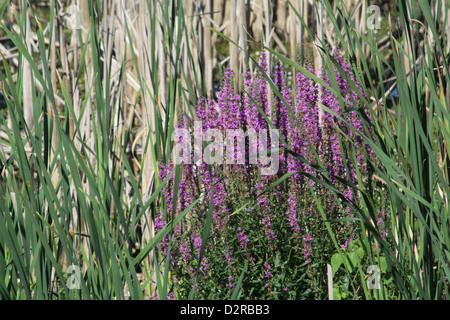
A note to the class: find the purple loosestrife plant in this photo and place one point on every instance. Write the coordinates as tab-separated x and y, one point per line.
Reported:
278	231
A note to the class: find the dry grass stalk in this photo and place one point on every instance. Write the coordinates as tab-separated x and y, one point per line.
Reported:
319	25
234	50
27	74
208	49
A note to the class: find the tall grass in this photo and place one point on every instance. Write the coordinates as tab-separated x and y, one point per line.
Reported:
411	141
86	126
412	147
76	187
411	144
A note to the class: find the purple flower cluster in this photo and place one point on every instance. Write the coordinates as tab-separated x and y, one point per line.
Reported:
251	223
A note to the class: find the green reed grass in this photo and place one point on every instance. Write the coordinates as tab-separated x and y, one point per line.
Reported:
412	148
46	187
40	235
411	144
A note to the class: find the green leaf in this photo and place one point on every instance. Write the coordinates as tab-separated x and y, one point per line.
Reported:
382	263
336	294
360	252
237	286
336	261
354	259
